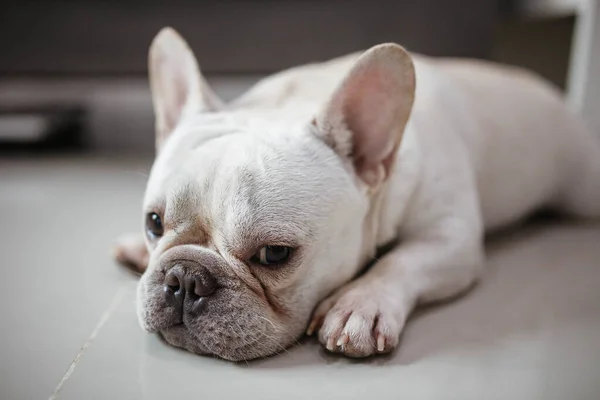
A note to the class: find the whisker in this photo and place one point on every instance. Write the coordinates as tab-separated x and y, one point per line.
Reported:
282	328
244	341
134	172
275	342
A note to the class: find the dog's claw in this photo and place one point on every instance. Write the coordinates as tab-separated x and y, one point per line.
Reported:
343	340
380	343
311	327
330	343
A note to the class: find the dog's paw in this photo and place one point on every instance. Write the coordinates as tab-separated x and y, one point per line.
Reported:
358	322
130	251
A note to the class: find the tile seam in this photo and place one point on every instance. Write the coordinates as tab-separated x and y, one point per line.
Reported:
116	300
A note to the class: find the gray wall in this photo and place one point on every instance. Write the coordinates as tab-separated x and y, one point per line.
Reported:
254	36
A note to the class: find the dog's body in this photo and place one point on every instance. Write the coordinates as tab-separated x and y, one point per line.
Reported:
333	161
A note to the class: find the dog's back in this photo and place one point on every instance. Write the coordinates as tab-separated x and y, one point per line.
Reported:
527	148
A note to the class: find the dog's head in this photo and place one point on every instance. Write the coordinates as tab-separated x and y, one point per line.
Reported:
251	218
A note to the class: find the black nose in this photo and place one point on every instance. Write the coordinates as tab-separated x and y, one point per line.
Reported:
187	289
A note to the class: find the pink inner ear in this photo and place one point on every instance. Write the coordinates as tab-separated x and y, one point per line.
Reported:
176	86
369	106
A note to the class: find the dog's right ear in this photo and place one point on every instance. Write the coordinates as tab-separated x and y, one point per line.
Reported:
364	119
178	87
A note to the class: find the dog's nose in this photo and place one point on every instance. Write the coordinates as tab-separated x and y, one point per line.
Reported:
187	290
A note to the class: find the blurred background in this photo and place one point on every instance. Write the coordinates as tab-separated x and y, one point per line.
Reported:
73	73
77	141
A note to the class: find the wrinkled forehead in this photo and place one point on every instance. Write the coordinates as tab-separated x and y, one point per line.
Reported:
196	144
243	179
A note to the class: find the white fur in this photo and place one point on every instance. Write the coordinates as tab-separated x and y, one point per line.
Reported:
484	146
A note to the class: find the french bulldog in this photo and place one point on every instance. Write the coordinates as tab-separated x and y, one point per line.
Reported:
260	215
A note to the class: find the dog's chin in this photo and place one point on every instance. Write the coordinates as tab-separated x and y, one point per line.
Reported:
181	336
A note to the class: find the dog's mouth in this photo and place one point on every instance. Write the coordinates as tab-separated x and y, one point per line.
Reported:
179	335
228	346
234	328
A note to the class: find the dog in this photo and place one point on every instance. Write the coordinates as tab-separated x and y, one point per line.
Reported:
261	214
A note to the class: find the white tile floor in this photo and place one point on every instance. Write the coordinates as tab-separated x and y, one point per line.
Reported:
529	331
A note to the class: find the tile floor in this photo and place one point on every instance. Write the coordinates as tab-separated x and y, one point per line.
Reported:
529	331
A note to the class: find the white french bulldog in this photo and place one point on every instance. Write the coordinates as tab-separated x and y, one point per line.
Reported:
264	212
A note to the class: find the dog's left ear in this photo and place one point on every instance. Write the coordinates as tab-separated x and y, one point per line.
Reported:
365	118
178	87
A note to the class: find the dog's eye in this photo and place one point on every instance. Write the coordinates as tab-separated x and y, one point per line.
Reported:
154	225
272	255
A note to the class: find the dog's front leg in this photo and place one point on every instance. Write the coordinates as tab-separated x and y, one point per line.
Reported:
367	315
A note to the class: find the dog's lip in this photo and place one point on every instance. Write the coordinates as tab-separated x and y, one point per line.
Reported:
205	350
180	328
174	327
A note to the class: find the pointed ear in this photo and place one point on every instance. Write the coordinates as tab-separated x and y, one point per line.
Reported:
365	118
178	88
